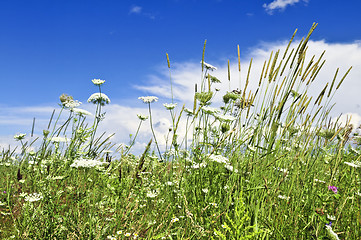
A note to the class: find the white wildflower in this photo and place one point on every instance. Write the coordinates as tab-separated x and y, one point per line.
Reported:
318	180
99	98
205	190
59	139
152	194
225	118
111	238
169	183
210	110
188	111
20	136
33	197
282	170
354	164
175	219
283	197
98	82
142	117
127	234
57	178
209	66
331	234
119	232
230	168
148	99
170	106
214	204
87	163
331	217
219	159
81	111
71	103
199	165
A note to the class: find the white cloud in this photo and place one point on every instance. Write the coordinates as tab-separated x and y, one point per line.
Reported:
279	4
135	9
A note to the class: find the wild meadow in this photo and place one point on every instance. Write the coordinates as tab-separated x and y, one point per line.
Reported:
267	164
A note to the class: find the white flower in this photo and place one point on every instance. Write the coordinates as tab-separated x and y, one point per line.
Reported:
226	118
169	183
99	98
205	190
170	106
230	168
331	217
354	164
283	197
20	136
282	170
152	194
59	139
81	111
219	159
127	234
148	99
57	178
119	232
98	82
87	163
331	234
111	238
210	110
188	111
317	180
199	165
175	219
33	197
72	103
142	117
214	204
209	66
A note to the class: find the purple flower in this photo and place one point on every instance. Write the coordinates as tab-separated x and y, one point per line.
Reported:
333	188
4	192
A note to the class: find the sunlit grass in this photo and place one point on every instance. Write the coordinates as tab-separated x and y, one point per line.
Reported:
267	164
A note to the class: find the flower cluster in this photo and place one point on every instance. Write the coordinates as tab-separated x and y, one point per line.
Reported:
210	110
219	159
33	197
148	99
98	82
142	117
99	98
20	136
209	66
87	163
169	106
225	118
81	111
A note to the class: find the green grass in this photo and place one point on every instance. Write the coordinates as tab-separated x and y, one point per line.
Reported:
267	164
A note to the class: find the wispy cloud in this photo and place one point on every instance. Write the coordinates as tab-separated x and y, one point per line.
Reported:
280	4
135	9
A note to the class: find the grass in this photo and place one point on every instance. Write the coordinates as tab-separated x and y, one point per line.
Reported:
267	164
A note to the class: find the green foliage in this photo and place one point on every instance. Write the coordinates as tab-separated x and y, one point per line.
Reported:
267	164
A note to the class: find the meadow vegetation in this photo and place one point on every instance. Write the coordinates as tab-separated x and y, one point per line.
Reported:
267	164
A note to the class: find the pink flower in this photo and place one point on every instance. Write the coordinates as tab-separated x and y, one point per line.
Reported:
333	188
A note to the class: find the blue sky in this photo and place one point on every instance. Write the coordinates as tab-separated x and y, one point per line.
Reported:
53	47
